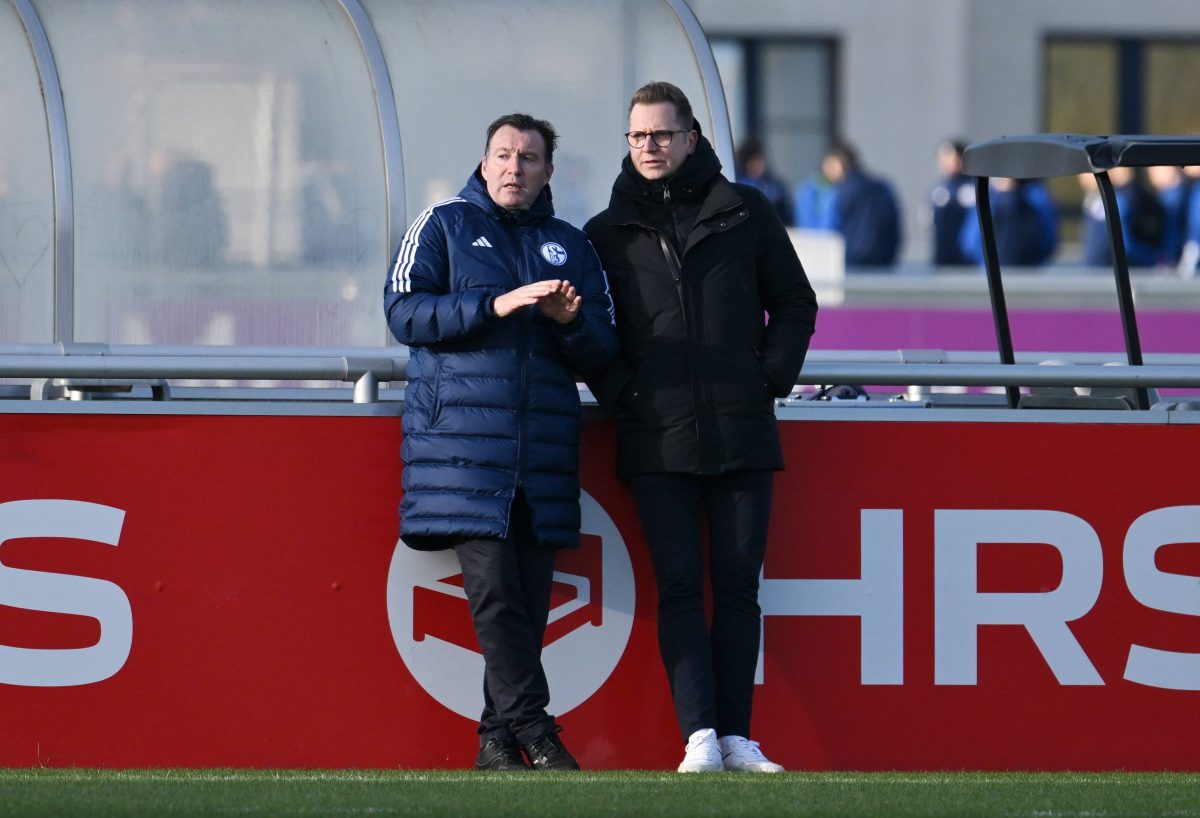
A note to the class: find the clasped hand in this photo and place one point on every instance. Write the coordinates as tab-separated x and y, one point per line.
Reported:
554	298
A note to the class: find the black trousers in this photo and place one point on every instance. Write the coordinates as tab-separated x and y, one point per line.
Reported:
508	585
710	668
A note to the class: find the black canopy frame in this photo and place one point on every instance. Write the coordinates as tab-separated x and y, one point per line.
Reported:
1039	156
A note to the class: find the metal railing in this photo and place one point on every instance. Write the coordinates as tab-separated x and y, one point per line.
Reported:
99	367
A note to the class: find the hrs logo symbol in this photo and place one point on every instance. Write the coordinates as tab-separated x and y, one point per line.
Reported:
591	618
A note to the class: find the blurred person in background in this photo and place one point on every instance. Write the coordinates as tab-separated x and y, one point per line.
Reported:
751	162
1189	254
864	209
812	204
1174	189
1143	219
950	201
1024	221
193	228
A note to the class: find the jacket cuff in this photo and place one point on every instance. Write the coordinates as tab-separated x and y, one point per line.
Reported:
571	326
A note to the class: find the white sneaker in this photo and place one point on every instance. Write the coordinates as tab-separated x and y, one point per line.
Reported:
741	755
703	753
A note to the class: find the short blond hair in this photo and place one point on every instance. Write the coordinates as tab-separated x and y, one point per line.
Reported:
654	92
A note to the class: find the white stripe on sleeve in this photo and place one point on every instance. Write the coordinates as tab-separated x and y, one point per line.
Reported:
407	254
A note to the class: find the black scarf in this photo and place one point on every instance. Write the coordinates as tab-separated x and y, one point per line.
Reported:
671	205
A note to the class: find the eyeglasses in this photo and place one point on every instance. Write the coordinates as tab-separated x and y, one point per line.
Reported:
661	138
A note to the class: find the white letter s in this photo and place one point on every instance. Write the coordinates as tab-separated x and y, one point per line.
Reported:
64	593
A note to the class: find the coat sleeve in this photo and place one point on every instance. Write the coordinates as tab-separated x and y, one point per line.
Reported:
609	384
589	343
789	301
420	305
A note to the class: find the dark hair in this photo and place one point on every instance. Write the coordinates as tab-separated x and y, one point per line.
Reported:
655	92
956	145
844	152
751	148
525	122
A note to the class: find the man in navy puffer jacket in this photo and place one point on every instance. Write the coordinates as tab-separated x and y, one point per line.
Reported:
501	304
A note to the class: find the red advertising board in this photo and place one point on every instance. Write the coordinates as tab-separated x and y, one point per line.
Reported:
228	591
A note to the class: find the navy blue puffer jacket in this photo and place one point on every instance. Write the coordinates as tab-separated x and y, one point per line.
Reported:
492	403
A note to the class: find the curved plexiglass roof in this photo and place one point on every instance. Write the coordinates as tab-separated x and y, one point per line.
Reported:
238	173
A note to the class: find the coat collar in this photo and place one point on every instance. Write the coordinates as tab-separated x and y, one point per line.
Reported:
624	209
476	193
699	177
692	181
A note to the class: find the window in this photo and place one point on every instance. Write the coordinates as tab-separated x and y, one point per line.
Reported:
1118	86
781	90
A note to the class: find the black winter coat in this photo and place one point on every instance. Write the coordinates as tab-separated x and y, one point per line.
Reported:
711	331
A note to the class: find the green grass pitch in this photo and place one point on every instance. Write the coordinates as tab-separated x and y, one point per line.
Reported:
63	793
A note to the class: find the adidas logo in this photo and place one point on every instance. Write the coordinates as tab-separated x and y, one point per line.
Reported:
481	242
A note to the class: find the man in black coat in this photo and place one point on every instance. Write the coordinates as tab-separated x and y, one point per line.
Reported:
714	315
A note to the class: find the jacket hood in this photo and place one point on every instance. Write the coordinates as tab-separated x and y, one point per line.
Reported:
693	178
476	193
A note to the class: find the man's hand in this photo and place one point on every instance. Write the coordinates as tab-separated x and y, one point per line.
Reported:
555	298
562	305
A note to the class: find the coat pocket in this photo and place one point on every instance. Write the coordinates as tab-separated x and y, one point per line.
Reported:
660	394
740	385
435	408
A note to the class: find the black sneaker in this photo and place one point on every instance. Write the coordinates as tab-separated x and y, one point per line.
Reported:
546	752
502	754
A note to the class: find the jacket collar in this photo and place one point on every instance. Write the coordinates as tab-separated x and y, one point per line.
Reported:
476	193
699	177
691	181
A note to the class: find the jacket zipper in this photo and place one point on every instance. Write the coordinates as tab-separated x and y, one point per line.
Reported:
524	351
676	268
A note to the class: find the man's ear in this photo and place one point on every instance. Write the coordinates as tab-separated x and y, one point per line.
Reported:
693	139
